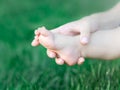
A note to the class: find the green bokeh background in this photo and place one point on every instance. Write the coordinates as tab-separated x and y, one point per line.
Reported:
23	67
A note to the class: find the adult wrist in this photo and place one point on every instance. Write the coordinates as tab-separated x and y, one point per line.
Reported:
93	20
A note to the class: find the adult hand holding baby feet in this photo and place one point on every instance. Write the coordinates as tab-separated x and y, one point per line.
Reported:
84	27
65	47
81	27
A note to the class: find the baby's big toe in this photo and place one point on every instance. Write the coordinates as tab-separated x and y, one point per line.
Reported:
46	39
44	32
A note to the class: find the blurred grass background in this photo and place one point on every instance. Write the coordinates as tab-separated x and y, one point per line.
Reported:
23	67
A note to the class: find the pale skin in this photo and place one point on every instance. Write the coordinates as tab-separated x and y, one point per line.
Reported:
103	45
63	45
46	38
84	27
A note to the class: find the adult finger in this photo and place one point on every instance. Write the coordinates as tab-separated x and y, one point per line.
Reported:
59	61
84	36
35	42
80	61
67	29
51	54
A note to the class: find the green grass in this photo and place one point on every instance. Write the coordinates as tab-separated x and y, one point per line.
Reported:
23	67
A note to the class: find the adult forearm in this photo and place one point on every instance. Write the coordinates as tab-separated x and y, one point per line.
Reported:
103	45
108	19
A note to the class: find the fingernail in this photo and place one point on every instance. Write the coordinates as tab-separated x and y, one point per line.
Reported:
80	61
84	40
52	55
61	62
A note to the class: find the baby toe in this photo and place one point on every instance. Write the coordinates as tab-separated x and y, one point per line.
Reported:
36	37
37	32
44	32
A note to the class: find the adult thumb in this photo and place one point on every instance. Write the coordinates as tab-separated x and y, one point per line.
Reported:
84	37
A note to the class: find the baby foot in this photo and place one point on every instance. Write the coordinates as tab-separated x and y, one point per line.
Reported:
66	47
36	42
